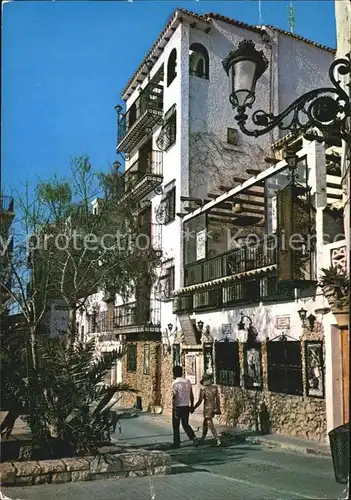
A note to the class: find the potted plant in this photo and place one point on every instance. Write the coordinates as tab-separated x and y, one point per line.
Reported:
336	288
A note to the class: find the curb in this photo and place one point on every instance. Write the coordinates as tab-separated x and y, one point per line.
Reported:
287	446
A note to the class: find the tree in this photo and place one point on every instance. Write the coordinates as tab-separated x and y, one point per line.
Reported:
68	250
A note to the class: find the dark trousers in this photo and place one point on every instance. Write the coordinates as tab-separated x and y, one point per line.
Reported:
181	414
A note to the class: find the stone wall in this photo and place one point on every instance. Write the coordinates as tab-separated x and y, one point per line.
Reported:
284	414
120	464
166	381
147	385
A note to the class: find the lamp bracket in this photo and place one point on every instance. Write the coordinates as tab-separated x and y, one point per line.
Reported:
325	109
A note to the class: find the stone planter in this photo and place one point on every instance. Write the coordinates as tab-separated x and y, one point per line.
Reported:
329	294
342	315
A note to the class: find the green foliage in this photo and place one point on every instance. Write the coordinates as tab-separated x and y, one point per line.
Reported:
336	282
68	408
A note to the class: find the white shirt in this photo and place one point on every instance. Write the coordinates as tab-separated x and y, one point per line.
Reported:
181	391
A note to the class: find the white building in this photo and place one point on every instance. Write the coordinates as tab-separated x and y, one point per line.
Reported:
183	149
185	85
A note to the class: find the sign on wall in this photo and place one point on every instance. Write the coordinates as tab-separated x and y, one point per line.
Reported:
58	317
282	322
190	367
226	329
201	244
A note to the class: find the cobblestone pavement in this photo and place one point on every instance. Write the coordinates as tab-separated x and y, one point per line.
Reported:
236	471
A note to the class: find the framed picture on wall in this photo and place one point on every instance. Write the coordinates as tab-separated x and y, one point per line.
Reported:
314	368
252	367
208	360
176	355
190	368
146	364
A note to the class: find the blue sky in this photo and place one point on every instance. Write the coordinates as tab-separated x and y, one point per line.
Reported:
65	63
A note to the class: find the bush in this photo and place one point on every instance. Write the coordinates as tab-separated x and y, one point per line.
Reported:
68	409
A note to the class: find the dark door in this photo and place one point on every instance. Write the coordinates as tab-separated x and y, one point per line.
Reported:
145	157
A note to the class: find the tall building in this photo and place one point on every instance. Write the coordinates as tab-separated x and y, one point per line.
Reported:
192	170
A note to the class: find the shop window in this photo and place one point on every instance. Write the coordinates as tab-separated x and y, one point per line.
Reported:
146	363
227	364
198	61
285	367
131	358
171	67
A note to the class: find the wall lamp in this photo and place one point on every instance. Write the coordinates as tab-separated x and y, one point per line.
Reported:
252	333
307	321
325	109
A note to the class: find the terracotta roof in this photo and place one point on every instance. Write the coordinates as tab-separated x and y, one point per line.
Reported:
176	14
207	19
262	29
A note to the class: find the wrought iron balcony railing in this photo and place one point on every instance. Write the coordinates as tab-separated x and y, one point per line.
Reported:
136	314
246	291
142	116
239	260
144	175
132	314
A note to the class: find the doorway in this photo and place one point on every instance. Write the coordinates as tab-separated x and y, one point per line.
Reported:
145	157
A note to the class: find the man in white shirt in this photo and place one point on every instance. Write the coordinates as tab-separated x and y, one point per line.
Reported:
182	396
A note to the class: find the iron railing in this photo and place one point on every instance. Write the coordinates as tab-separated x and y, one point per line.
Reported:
147	164
149	100
150	236
264	289
239	260
6	204
131	314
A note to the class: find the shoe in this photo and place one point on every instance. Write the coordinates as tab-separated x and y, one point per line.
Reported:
219	442
195	442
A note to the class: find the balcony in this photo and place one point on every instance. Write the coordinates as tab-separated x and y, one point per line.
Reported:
144	175
127	318
239	292
240	260
140	118
135	317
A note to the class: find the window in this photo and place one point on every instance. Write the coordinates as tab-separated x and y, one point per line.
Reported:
131	358
227	364
168	133
198	61
166	283
171	67
169	203
146	363
285	367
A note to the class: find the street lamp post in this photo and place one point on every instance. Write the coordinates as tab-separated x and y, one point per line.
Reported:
325	109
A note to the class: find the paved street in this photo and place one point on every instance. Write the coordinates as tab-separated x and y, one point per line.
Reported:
237	471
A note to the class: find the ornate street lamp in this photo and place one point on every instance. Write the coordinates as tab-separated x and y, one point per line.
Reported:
325	109
307	321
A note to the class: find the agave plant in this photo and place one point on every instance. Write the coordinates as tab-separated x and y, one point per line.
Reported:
336	285
68	409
